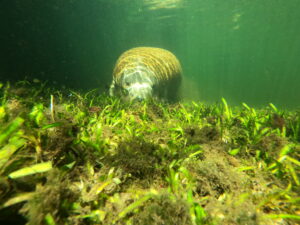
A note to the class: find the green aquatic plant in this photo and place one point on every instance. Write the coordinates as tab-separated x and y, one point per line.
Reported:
12	127
226	110
173	179
181	183
37	115
295	127
4	93
286	165
185	115
33	169
134	205
197	213
93	159
11	140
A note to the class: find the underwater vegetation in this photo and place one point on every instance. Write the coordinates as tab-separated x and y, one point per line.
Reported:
83	158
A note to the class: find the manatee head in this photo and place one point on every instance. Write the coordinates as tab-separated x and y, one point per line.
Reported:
138	84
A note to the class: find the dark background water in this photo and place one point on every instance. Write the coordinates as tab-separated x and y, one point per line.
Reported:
243	50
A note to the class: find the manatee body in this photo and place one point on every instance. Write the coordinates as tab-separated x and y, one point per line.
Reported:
145	72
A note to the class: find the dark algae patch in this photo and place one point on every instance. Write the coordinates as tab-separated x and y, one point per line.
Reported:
86	158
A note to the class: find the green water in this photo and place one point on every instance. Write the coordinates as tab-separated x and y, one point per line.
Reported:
243	50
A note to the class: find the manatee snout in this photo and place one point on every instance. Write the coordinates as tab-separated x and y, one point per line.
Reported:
139	91
137	85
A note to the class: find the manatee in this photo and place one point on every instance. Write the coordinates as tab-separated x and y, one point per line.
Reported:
146	72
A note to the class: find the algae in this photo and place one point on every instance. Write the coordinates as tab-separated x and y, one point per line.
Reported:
144	163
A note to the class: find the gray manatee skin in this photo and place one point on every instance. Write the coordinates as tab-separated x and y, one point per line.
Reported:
145	72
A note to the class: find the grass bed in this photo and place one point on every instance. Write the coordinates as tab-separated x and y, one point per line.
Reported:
85	158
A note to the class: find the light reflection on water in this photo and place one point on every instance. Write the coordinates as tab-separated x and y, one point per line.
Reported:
166	4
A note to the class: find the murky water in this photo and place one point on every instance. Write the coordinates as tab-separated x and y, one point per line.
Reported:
243	50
